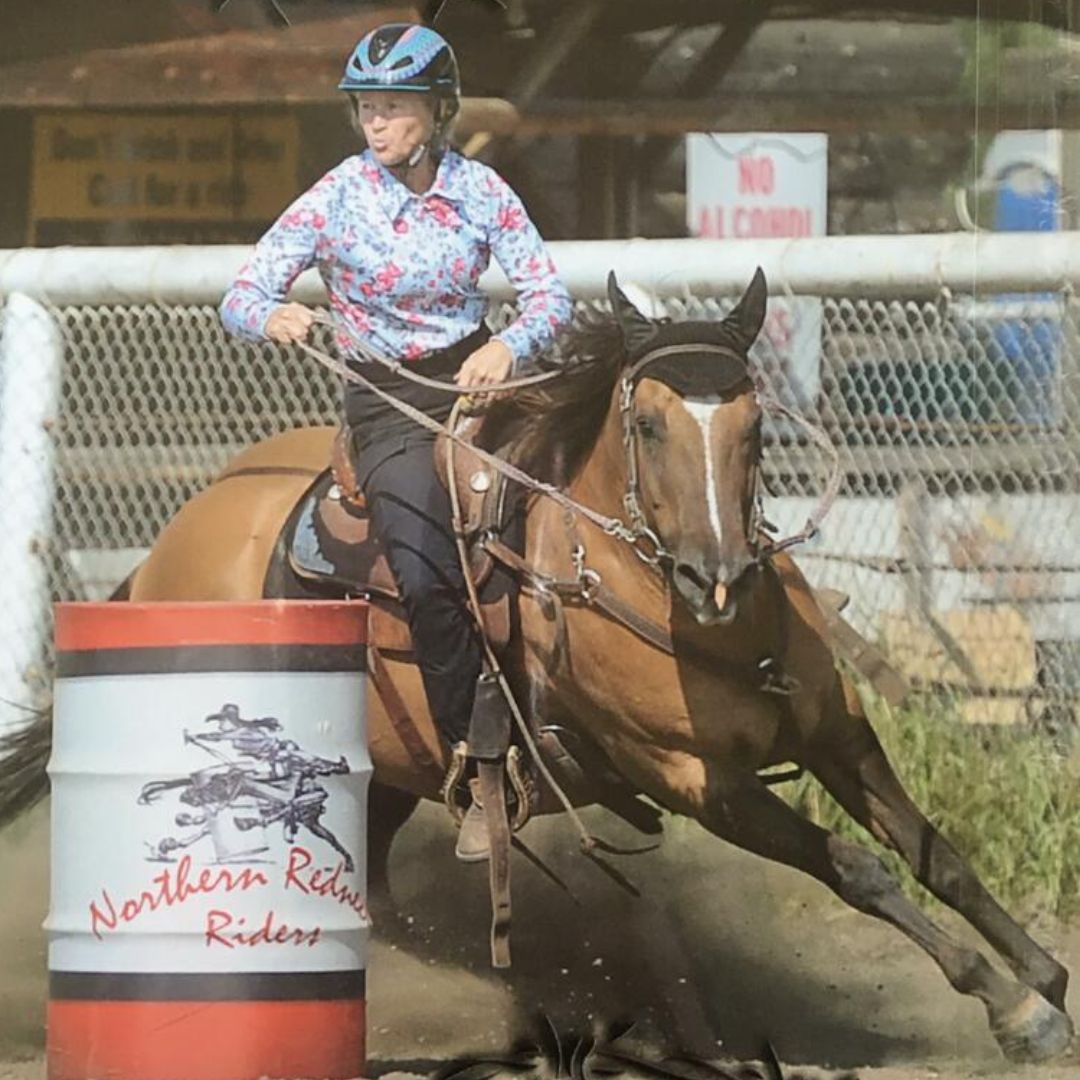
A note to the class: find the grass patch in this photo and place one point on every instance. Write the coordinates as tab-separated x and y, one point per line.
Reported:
1005	798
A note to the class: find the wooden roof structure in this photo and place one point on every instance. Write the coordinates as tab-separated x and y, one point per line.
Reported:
585	67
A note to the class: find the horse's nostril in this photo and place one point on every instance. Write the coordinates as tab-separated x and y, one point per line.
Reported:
698	580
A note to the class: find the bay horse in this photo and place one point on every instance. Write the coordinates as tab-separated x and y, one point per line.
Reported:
661	421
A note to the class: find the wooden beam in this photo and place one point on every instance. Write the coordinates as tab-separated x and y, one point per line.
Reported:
572	24
719	58
298	66
711	69
635	16
838	116
554	47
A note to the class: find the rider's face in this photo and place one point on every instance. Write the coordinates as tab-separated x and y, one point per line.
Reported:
394	123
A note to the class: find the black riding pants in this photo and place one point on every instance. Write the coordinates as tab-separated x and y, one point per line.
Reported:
410	512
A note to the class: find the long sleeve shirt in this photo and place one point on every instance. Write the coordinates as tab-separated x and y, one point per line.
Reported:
402	269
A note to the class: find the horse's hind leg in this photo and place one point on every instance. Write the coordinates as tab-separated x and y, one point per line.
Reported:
849	761
742	810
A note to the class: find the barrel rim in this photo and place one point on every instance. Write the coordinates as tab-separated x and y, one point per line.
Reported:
96	625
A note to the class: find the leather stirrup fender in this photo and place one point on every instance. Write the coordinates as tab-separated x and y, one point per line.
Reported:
342	468
492	776
489	724
398	713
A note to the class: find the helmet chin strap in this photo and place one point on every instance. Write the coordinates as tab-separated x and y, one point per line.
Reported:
409	163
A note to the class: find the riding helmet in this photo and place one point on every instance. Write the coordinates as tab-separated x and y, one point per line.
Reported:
405	56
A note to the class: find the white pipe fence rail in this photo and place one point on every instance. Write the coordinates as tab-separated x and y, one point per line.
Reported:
943	367
915	267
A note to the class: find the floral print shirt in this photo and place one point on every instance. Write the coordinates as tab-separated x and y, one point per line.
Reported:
401	269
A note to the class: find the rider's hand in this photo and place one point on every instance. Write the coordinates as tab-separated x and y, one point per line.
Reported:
490	364
289	322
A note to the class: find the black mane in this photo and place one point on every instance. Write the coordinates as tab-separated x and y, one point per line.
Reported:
551	429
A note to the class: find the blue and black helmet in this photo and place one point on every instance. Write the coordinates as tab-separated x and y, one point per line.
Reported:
404	56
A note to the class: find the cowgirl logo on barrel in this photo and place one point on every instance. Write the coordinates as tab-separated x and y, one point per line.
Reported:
264	780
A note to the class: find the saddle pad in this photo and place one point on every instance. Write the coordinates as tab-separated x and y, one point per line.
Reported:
329	546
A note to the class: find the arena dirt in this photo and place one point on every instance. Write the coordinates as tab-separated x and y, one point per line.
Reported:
719	944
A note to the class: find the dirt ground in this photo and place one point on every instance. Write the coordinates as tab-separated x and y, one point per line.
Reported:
720	952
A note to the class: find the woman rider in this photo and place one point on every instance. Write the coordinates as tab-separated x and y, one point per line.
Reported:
400	234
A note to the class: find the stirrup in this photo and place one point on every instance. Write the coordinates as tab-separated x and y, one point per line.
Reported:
522	785
459	755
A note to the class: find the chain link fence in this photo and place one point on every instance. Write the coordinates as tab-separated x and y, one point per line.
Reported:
955	423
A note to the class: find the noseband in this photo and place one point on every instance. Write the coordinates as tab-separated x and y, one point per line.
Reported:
647	545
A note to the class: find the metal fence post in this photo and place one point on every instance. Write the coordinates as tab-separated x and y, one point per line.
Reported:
31	362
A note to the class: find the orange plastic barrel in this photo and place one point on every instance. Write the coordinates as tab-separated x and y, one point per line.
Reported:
209	775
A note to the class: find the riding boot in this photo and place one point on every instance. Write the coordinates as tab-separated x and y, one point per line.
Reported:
473	842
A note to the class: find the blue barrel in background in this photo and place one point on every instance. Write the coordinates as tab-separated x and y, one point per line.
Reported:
1026	328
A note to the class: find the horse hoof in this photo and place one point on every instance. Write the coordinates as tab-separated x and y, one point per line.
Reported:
1034	1031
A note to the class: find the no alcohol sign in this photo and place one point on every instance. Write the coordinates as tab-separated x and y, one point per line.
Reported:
766	186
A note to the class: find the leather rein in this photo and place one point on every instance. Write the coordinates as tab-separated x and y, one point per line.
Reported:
587	586
638	534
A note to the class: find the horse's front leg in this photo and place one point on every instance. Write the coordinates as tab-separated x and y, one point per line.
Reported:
848	759
740	809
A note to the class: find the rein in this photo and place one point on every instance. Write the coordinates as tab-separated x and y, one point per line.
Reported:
588	841
609	525
639	535
832	486
588	585
398	367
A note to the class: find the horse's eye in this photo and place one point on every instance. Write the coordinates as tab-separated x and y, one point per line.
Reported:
646	428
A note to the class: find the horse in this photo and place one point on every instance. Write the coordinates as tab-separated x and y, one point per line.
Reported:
657	425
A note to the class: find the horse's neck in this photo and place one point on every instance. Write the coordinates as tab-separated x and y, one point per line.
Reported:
601	482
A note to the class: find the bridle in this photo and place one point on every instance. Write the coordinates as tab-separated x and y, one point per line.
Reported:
588	586
637	533
647	544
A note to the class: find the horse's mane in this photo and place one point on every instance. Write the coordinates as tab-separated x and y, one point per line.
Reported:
550	429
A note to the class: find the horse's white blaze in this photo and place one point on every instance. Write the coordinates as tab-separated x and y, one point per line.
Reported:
703	412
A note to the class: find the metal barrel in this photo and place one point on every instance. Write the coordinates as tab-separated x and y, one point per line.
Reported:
208	916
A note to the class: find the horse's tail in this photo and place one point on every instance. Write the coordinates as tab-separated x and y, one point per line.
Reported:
24	753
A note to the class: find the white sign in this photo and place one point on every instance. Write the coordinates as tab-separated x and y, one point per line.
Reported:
758	186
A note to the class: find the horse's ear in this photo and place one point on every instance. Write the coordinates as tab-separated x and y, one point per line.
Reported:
636	328
746	318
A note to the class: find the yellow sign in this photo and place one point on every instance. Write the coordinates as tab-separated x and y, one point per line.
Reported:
163	167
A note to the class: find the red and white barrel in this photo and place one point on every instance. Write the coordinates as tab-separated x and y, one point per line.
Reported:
209	775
